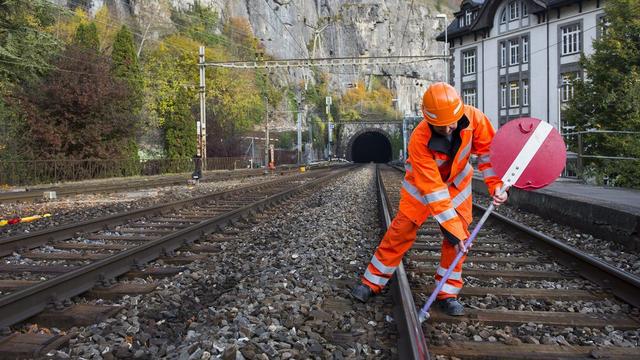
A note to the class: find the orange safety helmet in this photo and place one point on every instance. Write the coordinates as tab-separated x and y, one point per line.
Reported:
441	105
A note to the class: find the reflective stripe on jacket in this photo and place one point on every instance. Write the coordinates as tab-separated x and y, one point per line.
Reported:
439	186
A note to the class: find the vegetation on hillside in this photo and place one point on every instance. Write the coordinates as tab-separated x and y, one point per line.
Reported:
77	86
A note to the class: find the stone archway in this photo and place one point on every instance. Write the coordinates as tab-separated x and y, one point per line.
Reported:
370	145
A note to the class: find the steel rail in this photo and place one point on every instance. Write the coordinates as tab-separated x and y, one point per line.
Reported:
622	284
38	238
25	303
411	340
36	193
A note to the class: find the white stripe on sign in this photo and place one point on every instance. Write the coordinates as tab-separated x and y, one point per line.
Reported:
527	153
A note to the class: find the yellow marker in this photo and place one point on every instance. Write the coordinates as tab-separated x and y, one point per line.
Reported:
3	222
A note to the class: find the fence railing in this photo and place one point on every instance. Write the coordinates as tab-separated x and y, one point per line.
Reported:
583	144
53	171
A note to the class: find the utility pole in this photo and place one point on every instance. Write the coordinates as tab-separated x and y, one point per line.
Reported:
202	124
266	133
299	135
404	137
329	125
310	141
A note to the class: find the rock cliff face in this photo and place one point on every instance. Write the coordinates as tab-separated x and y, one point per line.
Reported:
289	28
339	28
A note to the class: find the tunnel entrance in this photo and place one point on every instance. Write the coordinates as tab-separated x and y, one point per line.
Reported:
371	146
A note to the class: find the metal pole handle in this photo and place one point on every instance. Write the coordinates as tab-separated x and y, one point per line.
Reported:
424	312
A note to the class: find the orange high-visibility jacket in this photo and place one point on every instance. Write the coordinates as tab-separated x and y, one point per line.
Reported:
427	189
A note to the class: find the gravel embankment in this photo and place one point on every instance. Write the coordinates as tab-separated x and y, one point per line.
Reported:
280	291
610	251
82	207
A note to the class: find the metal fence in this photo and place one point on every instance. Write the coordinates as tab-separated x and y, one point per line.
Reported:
585	149
53	171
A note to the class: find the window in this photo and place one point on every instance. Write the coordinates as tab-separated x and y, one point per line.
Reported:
567	86
514	50
525	50
468	18
525	11
525	92
503	54
503	96
603	24
469	96
469	62
571	39
461	22
514	10
503	16
514	94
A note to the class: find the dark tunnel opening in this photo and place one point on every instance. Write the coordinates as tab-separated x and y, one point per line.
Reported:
371	146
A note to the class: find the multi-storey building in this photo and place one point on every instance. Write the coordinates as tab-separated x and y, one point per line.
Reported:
514	58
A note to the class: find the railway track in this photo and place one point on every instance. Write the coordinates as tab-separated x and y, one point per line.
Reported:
521	289
43	271
36	193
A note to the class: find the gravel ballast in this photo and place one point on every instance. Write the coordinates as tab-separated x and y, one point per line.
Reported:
610	251
281	290
81	207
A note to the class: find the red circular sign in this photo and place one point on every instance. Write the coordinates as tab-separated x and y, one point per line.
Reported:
545	166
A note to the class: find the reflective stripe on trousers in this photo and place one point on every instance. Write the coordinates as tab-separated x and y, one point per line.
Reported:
455	275
449	289
382	267
408	167
378	280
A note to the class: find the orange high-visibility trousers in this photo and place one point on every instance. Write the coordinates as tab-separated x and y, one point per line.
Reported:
396	242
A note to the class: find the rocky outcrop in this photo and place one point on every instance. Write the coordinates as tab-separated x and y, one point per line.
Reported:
339	28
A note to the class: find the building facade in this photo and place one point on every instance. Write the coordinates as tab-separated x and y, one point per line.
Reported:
515	58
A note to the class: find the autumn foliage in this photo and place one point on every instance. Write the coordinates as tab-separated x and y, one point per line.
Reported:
78	110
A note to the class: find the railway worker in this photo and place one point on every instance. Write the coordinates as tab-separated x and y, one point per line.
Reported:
437	183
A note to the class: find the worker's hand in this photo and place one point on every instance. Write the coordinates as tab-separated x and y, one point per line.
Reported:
461	247
499	199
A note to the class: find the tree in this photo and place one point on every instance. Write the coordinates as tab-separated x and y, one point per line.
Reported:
106	30
25	48
78	111
608	98
87	36
126	66
180	127
25	53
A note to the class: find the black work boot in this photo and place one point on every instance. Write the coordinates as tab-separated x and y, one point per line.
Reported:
451	306
361	292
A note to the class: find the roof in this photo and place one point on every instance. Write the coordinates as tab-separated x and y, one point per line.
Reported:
487	12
